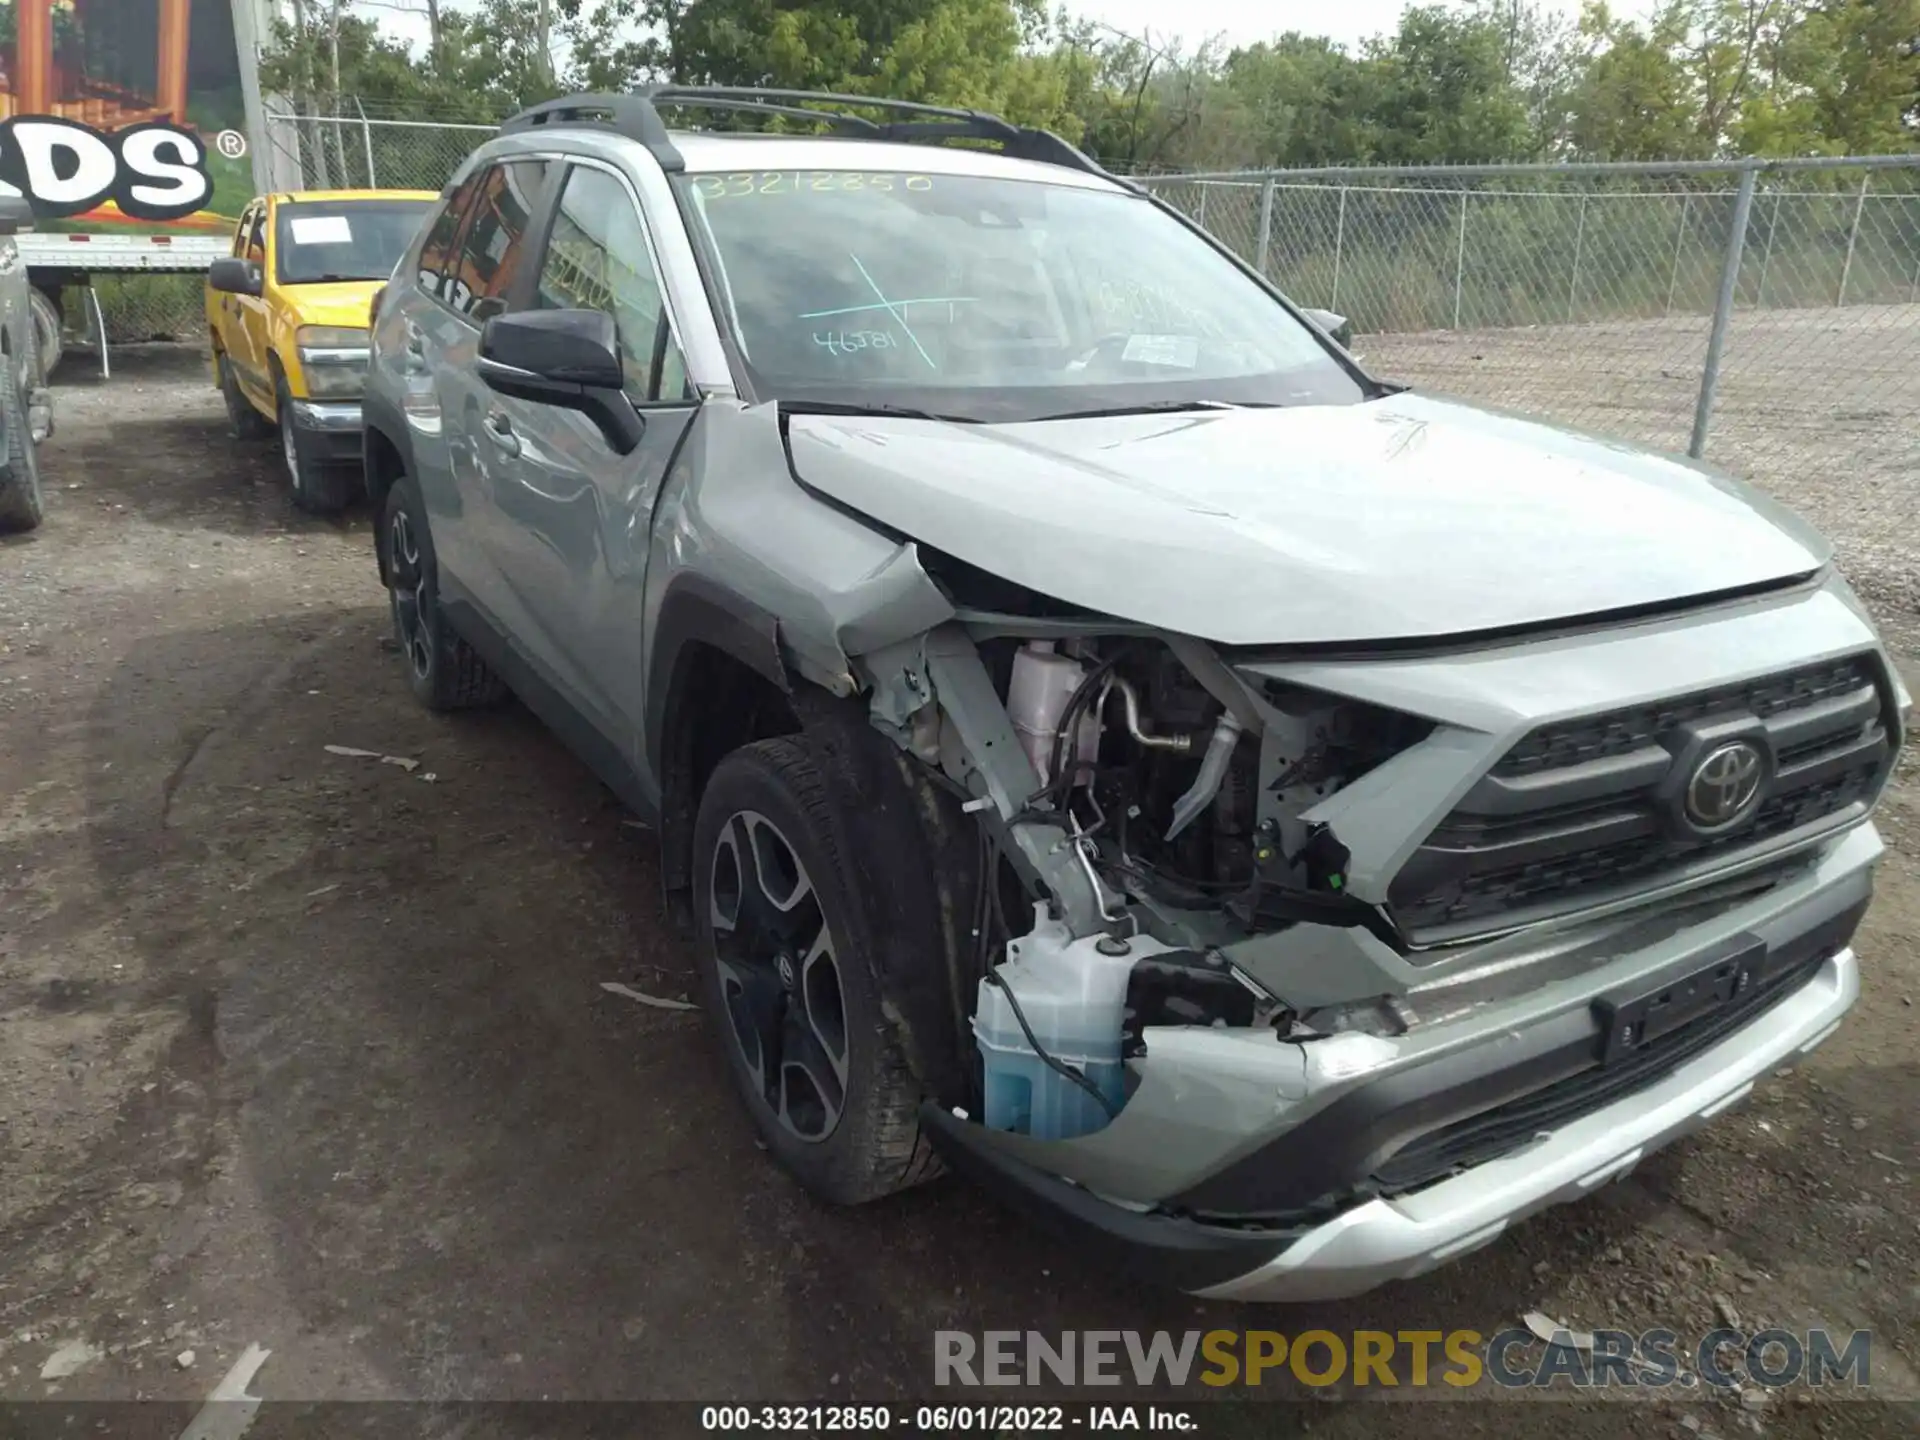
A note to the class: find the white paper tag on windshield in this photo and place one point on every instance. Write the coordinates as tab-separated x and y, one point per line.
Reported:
322	230
1182	351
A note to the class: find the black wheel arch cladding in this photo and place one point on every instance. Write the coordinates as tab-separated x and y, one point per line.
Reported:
696	614
914	856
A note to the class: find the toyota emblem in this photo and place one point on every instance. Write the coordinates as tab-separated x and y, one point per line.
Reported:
1725	785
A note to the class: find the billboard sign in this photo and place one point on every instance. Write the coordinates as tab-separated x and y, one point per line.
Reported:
120	114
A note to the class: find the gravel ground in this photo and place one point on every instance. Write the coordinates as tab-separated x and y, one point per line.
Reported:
311	1050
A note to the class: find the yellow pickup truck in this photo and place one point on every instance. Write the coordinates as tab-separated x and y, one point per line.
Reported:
287	312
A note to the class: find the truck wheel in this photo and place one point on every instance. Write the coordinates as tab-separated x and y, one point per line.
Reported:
243	420
22	506
788	970
443	671
318	488
46	329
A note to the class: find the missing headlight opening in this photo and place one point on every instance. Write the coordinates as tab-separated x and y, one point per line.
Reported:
1148	820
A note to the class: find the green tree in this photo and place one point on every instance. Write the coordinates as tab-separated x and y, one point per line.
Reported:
1633	102
1308	102
1443	92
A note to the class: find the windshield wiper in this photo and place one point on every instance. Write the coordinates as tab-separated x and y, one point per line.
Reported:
902	412
1151	407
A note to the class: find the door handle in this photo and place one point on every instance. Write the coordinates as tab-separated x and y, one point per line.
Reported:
500	431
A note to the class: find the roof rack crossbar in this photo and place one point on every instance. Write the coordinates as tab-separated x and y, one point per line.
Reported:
695	94
637	116
629	115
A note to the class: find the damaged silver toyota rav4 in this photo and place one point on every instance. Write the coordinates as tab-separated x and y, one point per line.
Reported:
1284	828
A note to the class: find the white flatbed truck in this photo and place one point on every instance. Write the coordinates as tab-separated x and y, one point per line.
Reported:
58	262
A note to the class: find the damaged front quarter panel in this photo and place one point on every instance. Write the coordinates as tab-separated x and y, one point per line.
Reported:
1199	1091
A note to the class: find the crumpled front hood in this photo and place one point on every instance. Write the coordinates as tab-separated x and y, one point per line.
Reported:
1402	518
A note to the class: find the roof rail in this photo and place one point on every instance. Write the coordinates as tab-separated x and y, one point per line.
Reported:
637	116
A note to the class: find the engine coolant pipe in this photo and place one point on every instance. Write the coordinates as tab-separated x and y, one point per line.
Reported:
1213	770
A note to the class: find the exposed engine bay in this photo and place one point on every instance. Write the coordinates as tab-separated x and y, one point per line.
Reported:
1149	817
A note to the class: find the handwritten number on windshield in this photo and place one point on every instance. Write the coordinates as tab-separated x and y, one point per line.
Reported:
794	182
847	342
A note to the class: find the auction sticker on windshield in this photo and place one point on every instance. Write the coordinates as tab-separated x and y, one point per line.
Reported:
322	230
1179	351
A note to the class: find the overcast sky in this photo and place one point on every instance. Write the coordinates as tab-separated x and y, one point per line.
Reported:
1241	22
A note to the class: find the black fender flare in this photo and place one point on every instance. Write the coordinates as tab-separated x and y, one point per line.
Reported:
696	611
381	421
699	611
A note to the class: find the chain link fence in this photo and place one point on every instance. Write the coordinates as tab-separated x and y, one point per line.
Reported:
353	152
137	308
1765	315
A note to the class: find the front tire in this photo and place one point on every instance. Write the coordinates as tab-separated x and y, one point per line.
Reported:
243	421
22	505
443	671
51	342
319	488
789	977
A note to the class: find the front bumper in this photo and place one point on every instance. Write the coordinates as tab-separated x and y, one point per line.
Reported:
1396	1175
330	429
1395	1239
1384	1240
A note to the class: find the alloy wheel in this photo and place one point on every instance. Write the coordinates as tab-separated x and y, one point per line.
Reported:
779	975
406	578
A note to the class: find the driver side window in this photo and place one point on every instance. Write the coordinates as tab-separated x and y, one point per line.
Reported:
597	259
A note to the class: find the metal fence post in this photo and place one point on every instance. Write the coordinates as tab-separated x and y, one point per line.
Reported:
1266	227
1679	240
1579	242
1460	259
1339	246
1723	311
1200	218
366	134
1853	236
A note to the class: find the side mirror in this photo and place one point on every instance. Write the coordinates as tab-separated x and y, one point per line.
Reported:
16	214
1337	326
569	358
234	276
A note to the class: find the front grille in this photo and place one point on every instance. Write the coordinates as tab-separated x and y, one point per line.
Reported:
1578	813
1622	732
1493	1133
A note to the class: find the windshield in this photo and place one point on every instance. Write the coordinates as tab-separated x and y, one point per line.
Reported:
988	298
326	240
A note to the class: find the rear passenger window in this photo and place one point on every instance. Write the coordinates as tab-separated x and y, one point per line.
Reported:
597	259
437	248
490	248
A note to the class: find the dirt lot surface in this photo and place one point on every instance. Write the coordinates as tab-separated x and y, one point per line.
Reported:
311	1050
